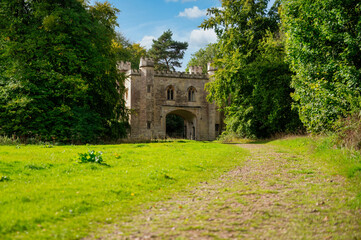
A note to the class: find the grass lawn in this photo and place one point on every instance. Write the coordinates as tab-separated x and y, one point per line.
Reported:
46	194
329	158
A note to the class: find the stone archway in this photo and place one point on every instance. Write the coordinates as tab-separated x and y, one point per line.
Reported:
174	126
190	123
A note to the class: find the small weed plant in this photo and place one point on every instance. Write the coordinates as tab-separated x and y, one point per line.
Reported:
4	179
91	157
48	145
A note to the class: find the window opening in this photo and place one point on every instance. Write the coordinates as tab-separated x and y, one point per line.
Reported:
170	93
191	94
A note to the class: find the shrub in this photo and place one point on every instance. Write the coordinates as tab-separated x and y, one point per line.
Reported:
349	131
5	140
91	157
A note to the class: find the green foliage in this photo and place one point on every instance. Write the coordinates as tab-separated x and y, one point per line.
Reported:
202	57
166	52
127	51
323	48
58	70
252	82
90	157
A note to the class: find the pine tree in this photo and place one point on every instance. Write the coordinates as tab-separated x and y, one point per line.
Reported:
166	52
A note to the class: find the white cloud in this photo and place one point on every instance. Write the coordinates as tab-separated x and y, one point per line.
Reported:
200	38
147	42
194	12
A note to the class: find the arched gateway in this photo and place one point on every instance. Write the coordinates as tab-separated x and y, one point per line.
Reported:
154	96
189	124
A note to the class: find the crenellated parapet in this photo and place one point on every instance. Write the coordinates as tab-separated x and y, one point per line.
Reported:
211	69
169	74
124	66
135	72
146	62
195	70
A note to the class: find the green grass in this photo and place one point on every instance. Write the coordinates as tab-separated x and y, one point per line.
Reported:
46	194
327	156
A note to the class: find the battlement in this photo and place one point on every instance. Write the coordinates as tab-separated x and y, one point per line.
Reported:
210	67
135	72
195	70
146	62
169	74
124	66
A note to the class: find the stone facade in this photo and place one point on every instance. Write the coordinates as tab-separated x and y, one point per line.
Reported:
153	95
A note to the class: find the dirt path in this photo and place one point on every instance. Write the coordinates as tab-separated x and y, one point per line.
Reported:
273	195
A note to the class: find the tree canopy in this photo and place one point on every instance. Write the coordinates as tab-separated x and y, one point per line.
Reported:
324	49
202	57
252	81
58	71
130	52
167	52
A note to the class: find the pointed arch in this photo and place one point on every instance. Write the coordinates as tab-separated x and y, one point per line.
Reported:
192	94
170	92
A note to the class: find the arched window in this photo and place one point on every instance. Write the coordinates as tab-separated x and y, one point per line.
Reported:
191	94
170	93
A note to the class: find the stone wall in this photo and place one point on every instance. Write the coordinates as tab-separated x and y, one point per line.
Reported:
148	98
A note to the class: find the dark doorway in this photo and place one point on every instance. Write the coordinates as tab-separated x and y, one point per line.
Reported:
175	126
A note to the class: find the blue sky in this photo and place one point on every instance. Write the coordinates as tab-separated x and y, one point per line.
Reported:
143	20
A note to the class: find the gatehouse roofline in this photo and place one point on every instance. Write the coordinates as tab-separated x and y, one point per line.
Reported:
170	74
195	72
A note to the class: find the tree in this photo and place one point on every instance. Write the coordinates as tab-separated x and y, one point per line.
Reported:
324	49
136	53
252	82
166	52
202	57
58	71
130	52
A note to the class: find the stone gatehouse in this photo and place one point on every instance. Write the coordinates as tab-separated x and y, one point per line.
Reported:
152	96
